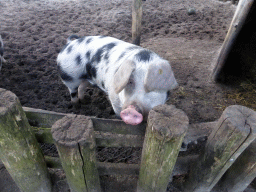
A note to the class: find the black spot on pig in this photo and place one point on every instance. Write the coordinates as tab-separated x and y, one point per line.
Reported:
91	71
1	51
103	85
88	40
69	49
80	40
109	46
84	76
168	94
144	55
121	56
102	36
88	69
88	54
64	76
78	60
65	46
97	57
103	50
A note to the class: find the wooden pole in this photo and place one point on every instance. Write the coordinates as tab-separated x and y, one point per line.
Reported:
235	130
164	135
136	21
241	173
74	138
19	149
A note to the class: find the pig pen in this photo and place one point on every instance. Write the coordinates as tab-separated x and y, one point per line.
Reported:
35	31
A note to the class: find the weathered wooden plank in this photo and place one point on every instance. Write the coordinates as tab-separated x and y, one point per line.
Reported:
74	139
19	149
53	162
118	140
45	119
241	173
164	135
118	168
43	135
220	69
105	127
136	21
118	126
235	130
181	167
42	118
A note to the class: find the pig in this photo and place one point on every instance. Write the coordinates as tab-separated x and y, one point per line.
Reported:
134	78
2	60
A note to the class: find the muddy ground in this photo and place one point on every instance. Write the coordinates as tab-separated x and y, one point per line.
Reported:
34	31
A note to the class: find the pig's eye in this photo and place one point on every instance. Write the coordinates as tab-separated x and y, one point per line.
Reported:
130	86
130	82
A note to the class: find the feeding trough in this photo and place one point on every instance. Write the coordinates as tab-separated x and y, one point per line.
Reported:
237	57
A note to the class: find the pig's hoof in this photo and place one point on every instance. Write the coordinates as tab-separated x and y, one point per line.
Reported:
131	116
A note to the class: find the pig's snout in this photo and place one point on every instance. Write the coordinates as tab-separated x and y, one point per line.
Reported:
131	116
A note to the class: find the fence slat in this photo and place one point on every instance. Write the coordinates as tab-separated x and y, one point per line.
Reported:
136	21
164	135
241	173
74	138
235	130
19	149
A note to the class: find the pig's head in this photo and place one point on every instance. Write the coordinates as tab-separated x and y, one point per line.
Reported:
142	87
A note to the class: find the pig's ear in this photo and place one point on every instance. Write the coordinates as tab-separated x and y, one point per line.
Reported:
122	75
160	77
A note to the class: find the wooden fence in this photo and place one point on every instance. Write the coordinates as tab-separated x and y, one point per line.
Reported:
229	151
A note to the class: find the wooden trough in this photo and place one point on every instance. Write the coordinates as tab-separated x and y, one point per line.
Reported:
237	57
229	151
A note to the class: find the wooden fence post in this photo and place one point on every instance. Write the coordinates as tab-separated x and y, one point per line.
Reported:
164	135
241	173
74	138
234	132
136	21
19	149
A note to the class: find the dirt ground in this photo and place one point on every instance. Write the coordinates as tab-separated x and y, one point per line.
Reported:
34	31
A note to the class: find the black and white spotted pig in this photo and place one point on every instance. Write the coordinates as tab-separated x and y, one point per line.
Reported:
135	79
1	52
